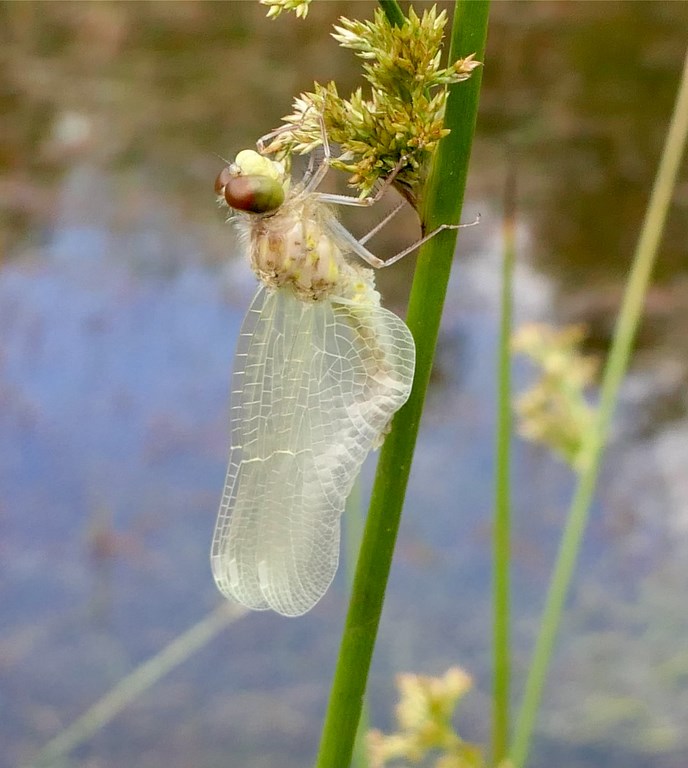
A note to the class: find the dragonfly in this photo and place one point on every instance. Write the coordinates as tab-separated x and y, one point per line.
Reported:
320	370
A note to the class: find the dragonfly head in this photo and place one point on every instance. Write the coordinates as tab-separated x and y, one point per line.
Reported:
252	183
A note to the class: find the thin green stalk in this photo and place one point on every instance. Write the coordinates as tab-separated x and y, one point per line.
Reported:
137	682
393	12
353	532
502	513
425	310
617	364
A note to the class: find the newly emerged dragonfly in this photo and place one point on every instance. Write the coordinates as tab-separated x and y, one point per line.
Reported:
319	372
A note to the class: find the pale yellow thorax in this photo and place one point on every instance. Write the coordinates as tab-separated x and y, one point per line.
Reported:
292	248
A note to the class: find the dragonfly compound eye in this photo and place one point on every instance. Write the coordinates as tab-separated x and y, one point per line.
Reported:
221	181
253	193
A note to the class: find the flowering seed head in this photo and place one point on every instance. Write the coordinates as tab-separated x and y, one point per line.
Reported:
404	113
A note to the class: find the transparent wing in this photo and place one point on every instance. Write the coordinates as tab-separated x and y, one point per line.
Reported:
314	388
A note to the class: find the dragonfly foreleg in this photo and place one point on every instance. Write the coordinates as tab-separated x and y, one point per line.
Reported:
366	202
262	144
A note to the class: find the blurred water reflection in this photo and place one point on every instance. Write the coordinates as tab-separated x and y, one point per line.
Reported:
120	300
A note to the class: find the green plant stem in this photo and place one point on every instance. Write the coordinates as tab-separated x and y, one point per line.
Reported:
393	12
353	532
617	364
137	682
502	513
424	313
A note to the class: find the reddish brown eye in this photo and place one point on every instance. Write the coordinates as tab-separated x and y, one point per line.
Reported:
221	181
253	194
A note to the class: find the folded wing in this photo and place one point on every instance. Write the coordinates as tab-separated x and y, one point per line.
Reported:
314	388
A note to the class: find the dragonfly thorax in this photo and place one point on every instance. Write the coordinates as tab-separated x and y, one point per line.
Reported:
293	248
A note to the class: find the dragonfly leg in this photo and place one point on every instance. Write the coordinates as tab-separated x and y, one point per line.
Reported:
358	246
363	240
313	180
366	202
313	177
425	238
